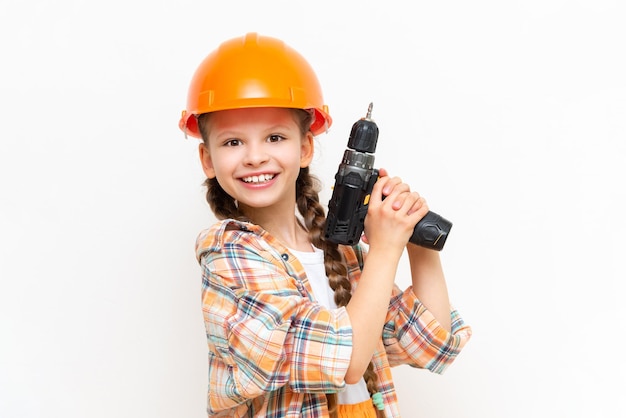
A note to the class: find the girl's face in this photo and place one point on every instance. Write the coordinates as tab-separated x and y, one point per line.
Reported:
256	155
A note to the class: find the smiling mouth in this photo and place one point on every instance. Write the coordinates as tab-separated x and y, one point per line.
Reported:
263	178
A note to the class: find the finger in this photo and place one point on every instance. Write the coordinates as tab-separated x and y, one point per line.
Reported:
394	185
377	194
418	203
419	209
400	194
405	202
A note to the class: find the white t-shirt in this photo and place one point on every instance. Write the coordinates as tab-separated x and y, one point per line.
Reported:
313	263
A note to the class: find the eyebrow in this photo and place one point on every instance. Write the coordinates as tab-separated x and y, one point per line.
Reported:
270	129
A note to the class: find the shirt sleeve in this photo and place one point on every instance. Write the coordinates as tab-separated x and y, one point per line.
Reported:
263	333
413	336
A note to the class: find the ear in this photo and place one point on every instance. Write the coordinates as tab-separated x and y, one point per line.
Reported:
307	150
207	162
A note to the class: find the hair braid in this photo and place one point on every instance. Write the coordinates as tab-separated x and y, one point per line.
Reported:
222	205
307	198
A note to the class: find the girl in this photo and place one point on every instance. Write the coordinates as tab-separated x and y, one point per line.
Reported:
298	326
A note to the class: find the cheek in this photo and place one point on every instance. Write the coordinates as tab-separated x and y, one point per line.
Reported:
224	163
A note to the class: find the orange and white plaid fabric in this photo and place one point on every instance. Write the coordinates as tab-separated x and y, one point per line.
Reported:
274	351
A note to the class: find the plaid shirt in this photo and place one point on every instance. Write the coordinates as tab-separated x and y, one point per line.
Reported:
275	352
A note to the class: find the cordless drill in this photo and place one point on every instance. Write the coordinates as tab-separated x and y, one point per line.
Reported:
354	181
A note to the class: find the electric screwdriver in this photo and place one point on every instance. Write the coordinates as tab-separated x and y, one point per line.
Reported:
354	181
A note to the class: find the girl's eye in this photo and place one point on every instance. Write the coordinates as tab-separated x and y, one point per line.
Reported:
275	138
232	142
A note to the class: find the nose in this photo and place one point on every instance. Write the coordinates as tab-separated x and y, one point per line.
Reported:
255	154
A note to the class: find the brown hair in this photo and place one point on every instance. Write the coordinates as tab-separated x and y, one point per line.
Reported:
307	201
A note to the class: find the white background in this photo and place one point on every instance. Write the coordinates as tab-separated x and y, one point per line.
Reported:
509	117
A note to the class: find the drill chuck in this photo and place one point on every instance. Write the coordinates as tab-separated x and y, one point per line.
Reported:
364	134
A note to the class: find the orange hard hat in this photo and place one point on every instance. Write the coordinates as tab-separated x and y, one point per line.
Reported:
254	71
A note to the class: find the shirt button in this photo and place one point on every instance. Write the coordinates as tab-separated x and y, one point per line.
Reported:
284	256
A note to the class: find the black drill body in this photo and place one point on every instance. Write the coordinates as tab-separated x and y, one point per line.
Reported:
354	182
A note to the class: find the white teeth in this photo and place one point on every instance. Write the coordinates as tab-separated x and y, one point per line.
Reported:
258	179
